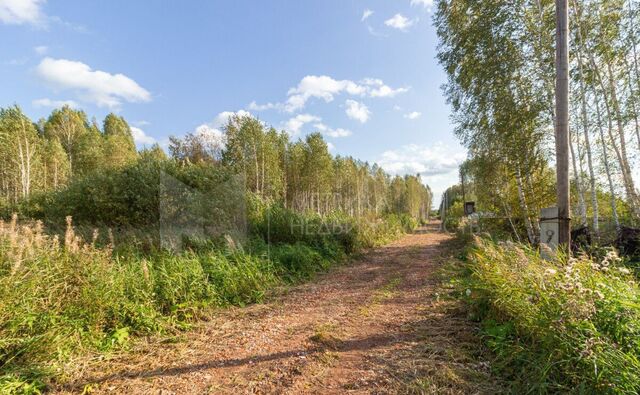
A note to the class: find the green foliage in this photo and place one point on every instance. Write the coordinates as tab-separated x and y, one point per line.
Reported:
566	325
299	261
171	230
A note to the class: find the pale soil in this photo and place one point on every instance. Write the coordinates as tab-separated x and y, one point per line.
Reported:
376	325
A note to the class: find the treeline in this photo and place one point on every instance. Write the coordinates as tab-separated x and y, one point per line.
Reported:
70	163
48	155
499	57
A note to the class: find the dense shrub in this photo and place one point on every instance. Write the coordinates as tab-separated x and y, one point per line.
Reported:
562	325
149	192
298	261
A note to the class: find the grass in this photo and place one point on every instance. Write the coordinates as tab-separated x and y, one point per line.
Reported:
63	297
566	325
385	292
326	336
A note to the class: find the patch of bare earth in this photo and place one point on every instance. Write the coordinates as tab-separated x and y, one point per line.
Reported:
373	326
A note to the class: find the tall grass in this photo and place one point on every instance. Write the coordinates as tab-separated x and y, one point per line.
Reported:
565	325
62	296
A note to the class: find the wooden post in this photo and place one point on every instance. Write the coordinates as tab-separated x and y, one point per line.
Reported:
562	122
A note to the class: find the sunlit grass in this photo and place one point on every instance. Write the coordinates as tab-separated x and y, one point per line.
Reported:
569	325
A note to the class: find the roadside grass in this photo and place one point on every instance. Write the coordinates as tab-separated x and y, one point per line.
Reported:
64	297
569	325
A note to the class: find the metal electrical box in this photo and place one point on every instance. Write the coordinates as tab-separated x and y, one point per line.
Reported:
469	208
549	227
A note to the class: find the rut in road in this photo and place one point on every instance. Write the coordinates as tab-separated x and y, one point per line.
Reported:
376	325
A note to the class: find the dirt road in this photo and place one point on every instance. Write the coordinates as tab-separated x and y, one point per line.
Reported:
376	325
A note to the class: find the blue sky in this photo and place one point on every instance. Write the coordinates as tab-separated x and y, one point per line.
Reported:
362	72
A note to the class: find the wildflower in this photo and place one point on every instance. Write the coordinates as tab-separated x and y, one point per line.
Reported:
145	269
468	292
550	272
624	270
546	251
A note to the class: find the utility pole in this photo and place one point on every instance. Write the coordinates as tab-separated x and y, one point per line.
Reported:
464	196
562	122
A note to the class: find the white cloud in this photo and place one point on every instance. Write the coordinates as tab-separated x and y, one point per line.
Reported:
400	22
140	137
425	3
294	125
222	119
358	111
94	86
377	88
41	49
366	14
326	88
53	103
413	115
212	132
330	146
322	87
428	161
327	131
213	136
19	12
437	164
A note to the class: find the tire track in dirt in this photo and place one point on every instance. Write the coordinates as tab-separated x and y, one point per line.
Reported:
373	326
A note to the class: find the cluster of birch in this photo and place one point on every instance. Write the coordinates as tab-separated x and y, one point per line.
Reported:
499	57
49	155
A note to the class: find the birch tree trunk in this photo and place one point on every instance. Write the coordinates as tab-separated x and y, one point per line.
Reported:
585	131
582	209
525	209
605	157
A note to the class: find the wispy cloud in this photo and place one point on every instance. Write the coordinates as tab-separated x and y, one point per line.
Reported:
366	14
425	3
41	49
413	115
48	103
94	86
335	133
253	106
400	22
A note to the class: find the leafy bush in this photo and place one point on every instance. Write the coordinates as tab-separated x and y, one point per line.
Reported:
559	326
298	261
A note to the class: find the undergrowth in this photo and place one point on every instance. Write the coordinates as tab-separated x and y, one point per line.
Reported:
568	325
63	296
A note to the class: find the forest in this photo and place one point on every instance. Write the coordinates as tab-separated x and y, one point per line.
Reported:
556	321
133	242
